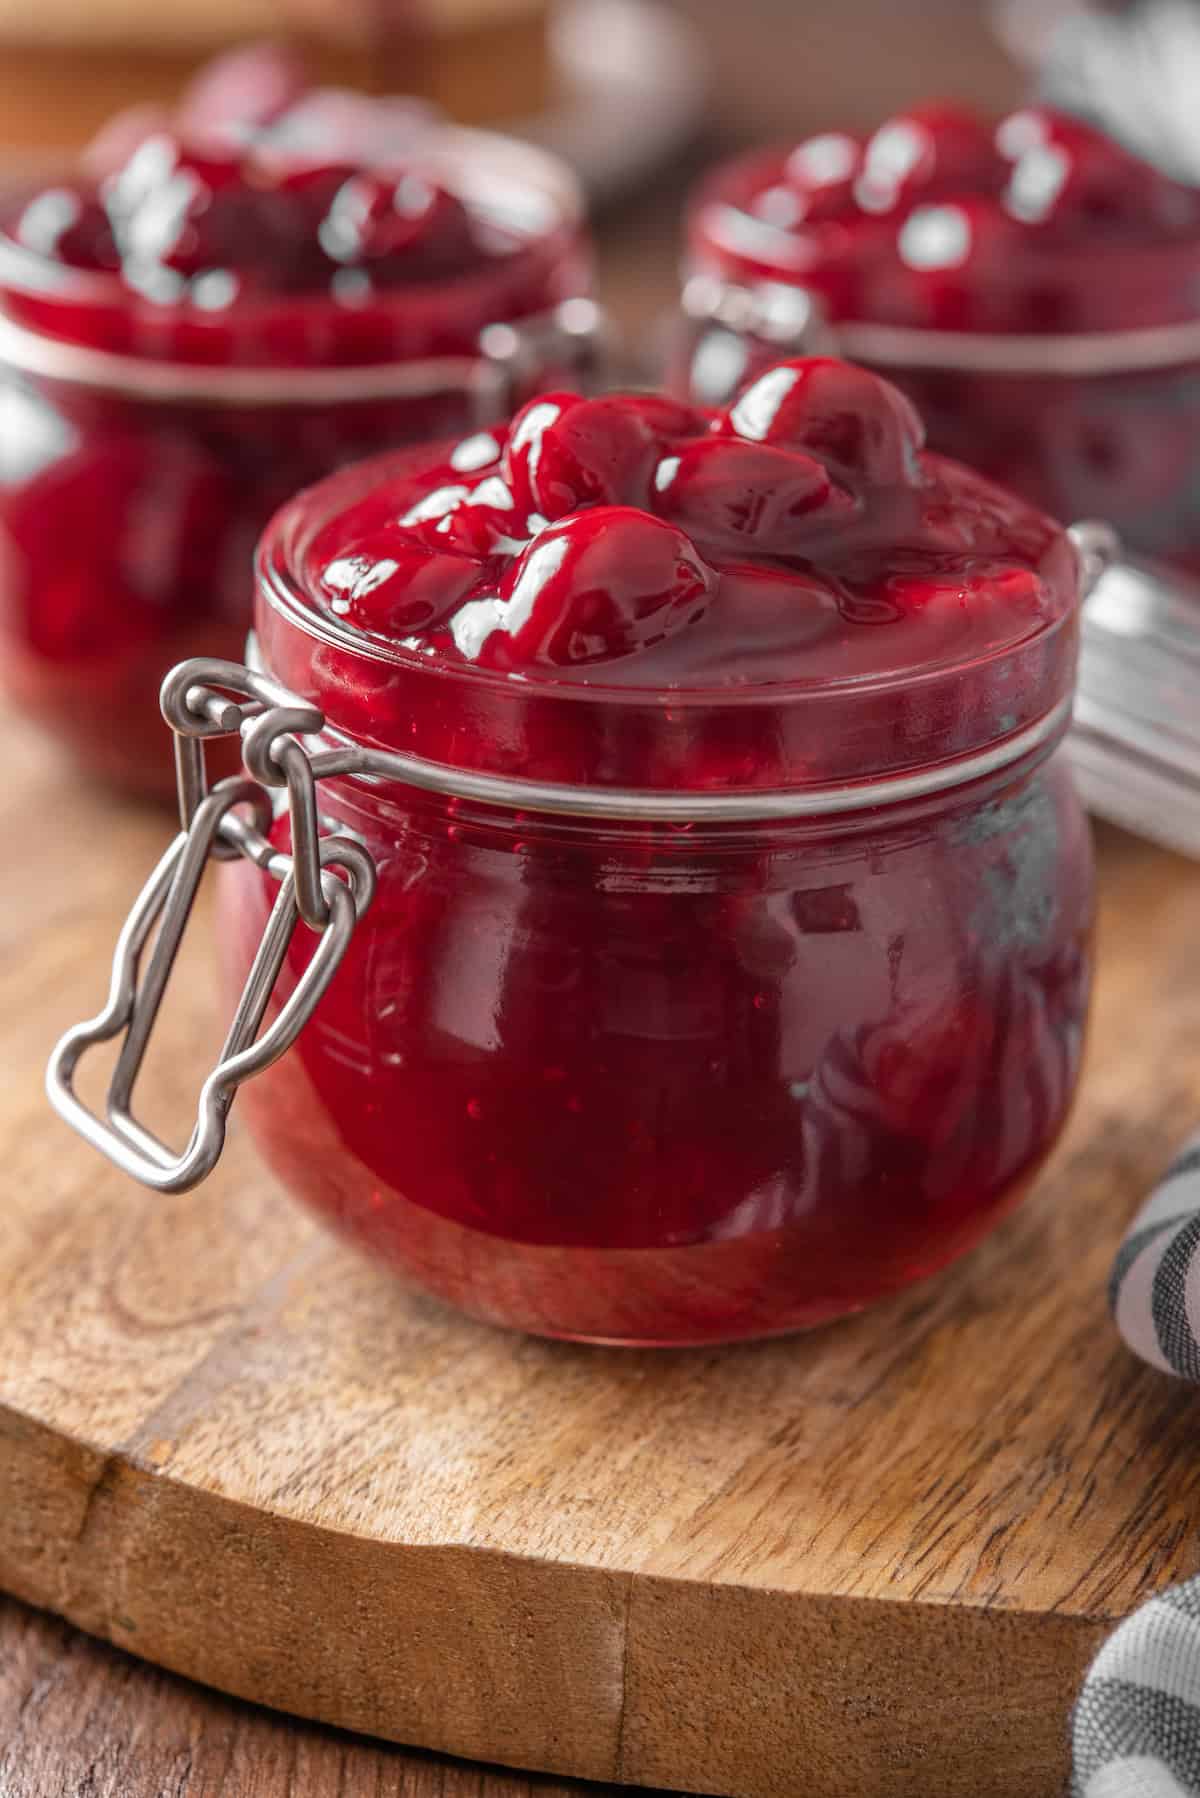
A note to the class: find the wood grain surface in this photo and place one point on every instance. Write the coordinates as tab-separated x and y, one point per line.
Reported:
873	1559
79	1719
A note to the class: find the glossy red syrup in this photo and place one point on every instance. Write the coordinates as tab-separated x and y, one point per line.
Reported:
263	226
1038	226
267	223
675	1083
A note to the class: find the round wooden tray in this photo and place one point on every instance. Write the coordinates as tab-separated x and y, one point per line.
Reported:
875	1559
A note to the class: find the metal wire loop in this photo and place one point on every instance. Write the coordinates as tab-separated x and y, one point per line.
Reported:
1098	546
327	883
200	697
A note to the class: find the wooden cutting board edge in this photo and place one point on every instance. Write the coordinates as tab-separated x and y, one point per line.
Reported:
591	1672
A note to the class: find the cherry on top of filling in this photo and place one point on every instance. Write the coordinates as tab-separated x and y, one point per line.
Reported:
258	186
940	220
802	535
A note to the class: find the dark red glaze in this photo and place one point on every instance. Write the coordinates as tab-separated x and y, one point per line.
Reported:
272	224
940	220
1037	226
799	540
681	1082
264	226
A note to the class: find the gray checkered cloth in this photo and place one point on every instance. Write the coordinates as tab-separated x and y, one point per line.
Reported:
1137	1723
1155	1291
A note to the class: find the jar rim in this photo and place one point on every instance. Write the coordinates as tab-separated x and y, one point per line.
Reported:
485	161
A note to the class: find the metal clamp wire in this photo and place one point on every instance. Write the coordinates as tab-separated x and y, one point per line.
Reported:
197	702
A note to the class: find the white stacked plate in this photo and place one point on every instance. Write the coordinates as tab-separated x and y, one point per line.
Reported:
1135	741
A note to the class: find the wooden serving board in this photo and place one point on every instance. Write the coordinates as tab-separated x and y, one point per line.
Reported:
874	1560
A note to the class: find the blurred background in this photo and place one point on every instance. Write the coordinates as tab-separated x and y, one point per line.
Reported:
638	94
784	65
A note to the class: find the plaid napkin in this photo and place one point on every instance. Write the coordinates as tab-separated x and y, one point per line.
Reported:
1137	1723
1155	1290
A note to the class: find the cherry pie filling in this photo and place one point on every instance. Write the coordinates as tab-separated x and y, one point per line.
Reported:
1038	226
264	226
683	1080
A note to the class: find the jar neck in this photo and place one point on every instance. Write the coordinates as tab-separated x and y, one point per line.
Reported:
420	399
793	319
391	789
385	808
128	346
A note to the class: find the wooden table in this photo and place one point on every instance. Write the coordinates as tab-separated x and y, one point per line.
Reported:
78	1717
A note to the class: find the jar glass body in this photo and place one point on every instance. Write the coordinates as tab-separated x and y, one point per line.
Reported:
127	532
132	494
658	1084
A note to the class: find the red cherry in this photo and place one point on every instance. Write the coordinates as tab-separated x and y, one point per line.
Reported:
1062	169
925	1070
280	235
565	452
932	152
992	590
595	586
477	522
821	172
112	539
952	269
426	221
725	491
71	228
356	205
178	208
315	184
376	219
270	184
862	428
389	584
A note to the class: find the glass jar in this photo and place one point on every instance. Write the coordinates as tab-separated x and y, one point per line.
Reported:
621	1063
1062	361
143	446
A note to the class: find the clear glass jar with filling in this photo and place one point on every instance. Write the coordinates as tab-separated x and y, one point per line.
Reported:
729	951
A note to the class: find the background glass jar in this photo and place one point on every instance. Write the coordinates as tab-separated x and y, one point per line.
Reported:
143	446
650	1064
1089	409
